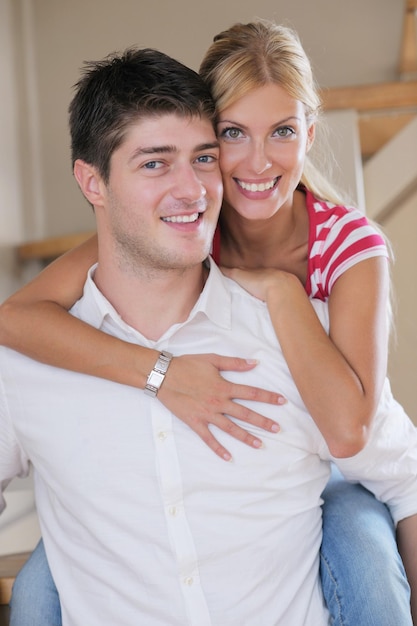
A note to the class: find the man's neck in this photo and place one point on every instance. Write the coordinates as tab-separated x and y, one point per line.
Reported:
151	302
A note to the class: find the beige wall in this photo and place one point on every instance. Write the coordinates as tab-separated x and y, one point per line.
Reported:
57	36
51	38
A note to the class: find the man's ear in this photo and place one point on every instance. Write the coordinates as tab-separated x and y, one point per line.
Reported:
90	182
311	134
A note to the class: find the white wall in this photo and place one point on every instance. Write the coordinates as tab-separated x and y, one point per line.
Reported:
391	196
344	142
401	228
11	209
10	197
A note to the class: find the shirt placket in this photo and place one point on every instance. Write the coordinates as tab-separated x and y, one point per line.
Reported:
179	531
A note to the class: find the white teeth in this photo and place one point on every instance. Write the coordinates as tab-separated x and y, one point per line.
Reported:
182	219
255	187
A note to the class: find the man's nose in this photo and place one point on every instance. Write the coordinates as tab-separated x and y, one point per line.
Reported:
188	186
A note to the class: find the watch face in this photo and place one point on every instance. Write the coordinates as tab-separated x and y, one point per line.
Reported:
155	379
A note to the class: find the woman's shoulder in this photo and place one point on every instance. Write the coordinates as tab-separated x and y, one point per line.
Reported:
340	236
326	212
330	222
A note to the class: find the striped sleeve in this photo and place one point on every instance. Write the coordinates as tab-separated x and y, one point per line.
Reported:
340	237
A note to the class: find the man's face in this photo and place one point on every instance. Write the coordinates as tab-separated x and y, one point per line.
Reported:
161	203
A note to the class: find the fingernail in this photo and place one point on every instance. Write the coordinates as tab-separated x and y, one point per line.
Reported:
275	428
257	443
227	456
252	361
282	400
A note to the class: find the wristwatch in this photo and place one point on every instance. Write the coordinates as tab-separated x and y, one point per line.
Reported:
157	375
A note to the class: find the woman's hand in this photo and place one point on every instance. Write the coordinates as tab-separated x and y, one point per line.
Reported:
350	358
196	393
261	282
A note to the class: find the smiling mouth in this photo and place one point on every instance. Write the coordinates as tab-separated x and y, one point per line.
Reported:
257	187
182	219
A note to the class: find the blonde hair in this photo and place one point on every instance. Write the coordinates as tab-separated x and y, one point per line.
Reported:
247	56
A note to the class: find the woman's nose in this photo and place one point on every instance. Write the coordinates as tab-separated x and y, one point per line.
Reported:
260	160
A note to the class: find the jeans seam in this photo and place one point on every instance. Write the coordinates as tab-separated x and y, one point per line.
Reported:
335	596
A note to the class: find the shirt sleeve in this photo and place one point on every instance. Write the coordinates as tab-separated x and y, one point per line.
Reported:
387	466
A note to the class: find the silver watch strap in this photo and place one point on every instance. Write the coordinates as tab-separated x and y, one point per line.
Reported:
157	375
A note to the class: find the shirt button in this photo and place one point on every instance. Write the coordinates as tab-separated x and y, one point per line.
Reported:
173	510
188	581
162	435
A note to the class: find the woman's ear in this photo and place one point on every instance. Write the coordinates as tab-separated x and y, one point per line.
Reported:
311	134
89	181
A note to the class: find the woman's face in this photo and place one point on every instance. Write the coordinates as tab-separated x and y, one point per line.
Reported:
264	139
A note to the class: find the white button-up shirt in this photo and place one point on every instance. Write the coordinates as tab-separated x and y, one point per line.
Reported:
143	524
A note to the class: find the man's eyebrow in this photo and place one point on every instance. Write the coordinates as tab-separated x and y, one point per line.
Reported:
153	150
212	145
169	149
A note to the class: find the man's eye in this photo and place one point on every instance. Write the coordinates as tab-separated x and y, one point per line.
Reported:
152	165
206	158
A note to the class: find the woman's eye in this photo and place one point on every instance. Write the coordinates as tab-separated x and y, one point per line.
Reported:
231	133
284	131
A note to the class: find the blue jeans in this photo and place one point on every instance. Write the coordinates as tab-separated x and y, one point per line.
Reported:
363	578
35	599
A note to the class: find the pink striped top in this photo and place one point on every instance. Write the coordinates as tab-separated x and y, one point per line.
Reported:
339	238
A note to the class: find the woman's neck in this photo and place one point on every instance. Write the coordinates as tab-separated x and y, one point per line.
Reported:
280	241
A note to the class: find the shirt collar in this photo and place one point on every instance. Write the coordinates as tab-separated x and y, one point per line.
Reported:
215	299
214	303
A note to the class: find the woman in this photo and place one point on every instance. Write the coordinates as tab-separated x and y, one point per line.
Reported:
277	222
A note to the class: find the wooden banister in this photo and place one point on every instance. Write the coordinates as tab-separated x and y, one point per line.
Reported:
52	247
9	567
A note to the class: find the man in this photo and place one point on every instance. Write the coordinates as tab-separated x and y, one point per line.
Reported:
142	524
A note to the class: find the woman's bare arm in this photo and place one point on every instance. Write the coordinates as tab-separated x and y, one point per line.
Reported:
36	322
339	376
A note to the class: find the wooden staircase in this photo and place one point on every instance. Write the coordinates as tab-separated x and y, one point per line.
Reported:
9	567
